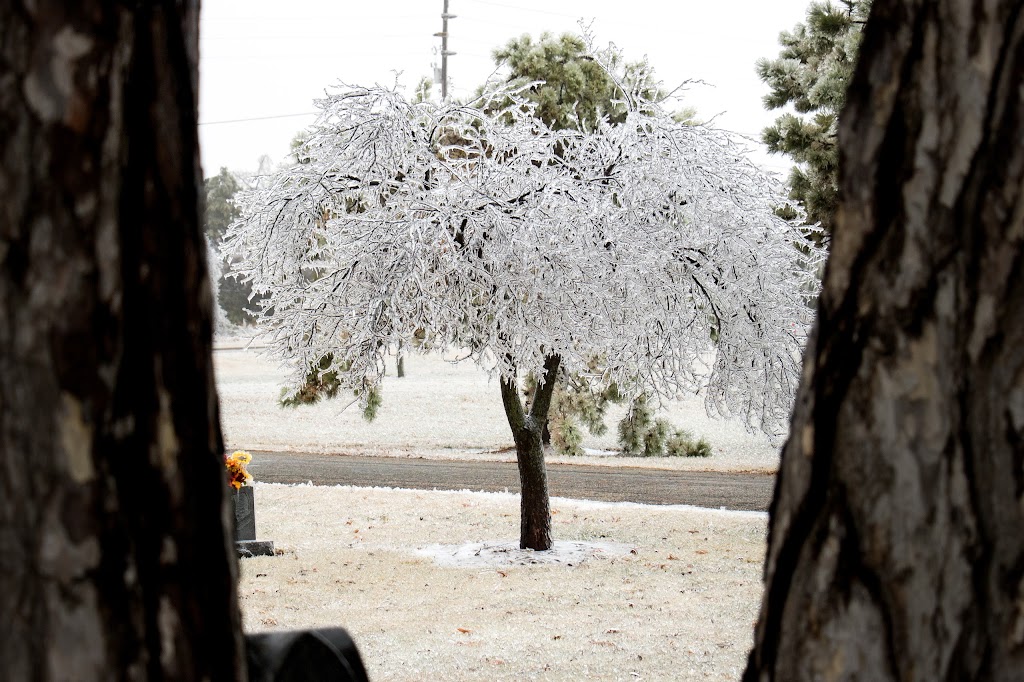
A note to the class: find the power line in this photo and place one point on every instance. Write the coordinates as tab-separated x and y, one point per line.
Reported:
524	9
257	118
303	36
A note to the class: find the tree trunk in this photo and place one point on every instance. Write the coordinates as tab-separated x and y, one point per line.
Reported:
896	547
115	553
527	431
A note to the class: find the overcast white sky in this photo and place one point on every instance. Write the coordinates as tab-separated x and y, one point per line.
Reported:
267	60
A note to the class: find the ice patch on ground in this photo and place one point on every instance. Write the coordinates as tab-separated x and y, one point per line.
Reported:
594	452
508	553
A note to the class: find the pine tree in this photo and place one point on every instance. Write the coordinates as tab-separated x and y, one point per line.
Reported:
811	74
219	211
576	90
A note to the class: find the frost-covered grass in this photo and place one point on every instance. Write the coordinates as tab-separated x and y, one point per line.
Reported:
439	409
430	586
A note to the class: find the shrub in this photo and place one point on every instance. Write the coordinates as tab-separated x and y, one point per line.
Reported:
641	435
682	444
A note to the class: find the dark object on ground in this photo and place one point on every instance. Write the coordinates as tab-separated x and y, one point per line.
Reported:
251	548
304	655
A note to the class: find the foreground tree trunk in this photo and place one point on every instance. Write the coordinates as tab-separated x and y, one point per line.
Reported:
114	550
527	431
896	548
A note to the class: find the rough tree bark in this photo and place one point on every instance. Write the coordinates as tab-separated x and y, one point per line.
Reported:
896	547
115	557
527	432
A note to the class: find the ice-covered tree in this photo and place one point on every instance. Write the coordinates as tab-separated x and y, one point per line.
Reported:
651	245
572	89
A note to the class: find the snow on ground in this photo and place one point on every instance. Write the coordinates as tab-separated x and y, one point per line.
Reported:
426	585
508	553
439	409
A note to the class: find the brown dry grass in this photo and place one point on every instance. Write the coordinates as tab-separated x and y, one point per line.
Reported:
677	603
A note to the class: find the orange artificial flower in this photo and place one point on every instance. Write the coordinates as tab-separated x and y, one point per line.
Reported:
235	464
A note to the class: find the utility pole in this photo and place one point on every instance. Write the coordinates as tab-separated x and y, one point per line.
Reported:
443	35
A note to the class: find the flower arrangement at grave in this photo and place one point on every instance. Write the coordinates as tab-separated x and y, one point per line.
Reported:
235	464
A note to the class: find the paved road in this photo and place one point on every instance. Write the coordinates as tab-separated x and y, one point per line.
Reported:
647	486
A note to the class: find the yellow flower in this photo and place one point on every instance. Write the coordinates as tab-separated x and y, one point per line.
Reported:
235	465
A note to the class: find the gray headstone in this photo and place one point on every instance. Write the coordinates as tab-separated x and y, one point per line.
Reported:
245	514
